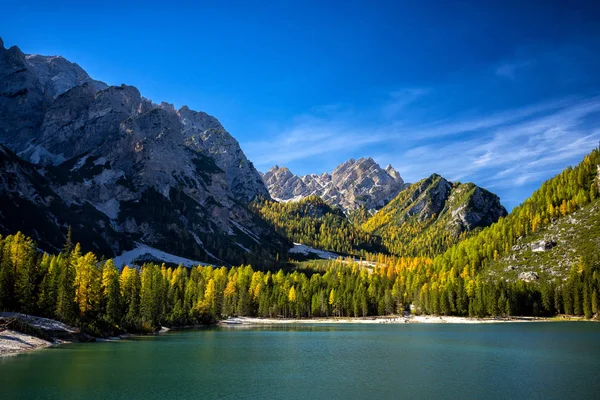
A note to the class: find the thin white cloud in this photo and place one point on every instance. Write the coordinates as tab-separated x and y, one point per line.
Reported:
502	151
309	139
511	155
509	70
399	99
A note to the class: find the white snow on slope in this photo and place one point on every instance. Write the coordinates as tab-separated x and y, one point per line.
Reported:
328	255
306	250
151	254
110	208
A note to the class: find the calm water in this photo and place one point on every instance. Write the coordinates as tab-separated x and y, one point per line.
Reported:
541	360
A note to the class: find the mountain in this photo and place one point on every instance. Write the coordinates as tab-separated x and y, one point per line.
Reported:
430	215
172	179
352	185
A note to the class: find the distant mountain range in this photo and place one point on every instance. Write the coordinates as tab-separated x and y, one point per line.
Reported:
353	184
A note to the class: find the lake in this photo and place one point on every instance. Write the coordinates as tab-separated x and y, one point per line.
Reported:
360	361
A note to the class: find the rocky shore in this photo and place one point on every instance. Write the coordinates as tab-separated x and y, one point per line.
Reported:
20	333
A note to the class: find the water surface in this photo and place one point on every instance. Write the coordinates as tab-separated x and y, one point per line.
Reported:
491	361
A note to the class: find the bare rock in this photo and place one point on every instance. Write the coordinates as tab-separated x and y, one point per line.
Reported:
528	276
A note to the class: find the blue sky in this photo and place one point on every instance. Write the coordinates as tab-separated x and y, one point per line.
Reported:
502	93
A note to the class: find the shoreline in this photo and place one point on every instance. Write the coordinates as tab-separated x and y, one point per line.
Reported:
393	319
13	343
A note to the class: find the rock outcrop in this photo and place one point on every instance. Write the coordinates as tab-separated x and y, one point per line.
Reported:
353	184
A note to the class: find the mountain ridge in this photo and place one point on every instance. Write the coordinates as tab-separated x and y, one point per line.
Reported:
175	179
352	185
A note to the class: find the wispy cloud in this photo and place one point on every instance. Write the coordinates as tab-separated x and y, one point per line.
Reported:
310	138
509	150
502	151
399	99
511	154
509	70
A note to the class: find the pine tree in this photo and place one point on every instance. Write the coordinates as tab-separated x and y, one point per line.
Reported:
111	294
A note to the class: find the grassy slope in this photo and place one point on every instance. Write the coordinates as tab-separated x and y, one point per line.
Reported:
576	235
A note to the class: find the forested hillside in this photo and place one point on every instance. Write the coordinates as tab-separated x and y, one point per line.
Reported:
311	221
433	214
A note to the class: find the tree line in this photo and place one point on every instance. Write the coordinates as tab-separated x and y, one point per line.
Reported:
93	294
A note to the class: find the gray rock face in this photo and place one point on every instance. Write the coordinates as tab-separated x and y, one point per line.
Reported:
482	207
206	135
449	206
353	184
22	100
28	204
171	179
429	198
57	75
528	276
542	245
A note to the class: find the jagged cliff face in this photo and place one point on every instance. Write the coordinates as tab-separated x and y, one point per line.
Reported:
28	204
174	179
352	185
57	74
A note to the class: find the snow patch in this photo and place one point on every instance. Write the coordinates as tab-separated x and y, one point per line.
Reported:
146	252
37	154
80	163
292	200
201	244
110	208
107	176
100	161
242	246
246	231
306	250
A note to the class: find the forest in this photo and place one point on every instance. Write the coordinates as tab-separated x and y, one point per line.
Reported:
92	294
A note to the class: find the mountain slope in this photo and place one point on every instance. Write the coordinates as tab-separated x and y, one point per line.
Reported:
28	204
313	222
561	214
352	185
171	179
430	215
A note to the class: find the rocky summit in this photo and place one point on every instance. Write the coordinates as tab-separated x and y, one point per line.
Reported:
151	174
353	184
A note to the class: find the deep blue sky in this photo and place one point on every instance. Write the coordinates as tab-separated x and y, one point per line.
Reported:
502	93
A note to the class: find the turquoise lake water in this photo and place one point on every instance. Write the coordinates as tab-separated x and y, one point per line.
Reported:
487	361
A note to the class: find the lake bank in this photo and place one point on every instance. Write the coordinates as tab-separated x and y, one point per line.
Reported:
396	319
13	342
46	331
22	333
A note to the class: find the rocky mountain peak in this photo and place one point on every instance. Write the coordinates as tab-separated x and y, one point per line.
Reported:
351	185
57	74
